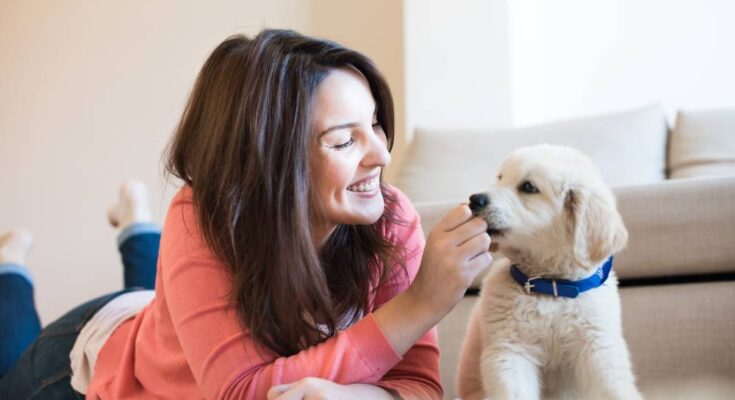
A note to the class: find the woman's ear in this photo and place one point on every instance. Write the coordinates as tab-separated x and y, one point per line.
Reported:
594	226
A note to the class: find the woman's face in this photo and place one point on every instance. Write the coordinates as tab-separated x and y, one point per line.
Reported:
351	151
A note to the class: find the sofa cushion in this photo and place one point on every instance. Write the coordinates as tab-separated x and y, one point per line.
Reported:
675	333
628	147
678	227
703	144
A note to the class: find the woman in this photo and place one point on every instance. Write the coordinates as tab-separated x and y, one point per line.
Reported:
287	269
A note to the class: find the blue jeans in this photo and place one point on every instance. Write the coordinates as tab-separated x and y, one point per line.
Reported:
34	363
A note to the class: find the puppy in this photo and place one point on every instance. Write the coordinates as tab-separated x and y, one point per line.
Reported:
547	324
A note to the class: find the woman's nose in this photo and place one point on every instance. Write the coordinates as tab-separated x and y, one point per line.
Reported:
378	154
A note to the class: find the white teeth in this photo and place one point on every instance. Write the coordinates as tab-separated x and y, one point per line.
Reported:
365	186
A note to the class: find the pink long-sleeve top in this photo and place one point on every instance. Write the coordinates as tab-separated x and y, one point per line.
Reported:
188	343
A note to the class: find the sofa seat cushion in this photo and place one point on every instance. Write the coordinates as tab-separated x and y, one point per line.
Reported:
703	144
680	332
628	147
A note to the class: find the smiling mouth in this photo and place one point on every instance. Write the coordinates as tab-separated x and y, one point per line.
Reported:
367	186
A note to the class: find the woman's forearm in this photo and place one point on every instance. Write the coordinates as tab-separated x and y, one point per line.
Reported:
404	319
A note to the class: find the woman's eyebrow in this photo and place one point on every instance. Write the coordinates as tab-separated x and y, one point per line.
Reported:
338	127
347	125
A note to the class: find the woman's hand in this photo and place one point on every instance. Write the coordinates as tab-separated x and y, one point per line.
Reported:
322	389
457	250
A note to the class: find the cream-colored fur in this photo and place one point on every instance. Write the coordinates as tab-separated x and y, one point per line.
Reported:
530	346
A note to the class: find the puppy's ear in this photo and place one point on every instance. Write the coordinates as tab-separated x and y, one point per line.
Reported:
594	225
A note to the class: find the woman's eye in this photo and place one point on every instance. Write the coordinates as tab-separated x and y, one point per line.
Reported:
344	145
528	187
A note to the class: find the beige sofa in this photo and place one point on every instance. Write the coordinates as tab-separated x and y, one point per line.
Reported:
676	192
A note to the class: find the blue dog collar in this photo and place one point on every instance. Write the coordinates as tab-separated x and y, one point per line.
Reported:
564	288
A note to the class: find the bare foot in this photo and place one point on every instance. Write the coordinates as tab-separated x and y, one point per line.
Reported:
15	245
131	207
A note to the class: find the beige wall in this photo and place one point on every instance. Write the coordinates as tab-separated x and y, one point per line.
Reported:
89	94
376	29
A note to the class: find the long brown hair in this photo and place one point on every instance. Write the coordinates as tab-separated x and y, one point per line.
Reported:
243	145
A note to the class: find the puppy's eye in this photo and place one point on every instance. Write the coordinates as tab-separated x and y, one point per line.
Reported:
528	187
500	177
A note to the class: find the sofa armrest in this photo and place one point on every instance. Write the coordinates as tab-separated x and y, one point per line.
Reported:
678	227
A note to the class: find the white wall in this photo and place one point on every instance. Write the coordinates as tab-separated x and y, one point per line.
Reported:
489	63
456	64
576	57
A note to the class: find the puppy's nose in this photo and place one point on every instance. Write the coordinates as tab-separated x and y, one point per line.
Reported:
478	201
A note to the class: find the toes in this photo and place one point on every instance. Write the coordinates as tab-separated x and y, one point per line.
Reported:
132	205
17	236
112	216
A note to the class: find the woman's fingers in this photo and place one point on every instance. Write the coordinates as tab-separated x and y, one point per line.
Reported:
479	262
452	258
278	390
477	244
468	230
454	218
